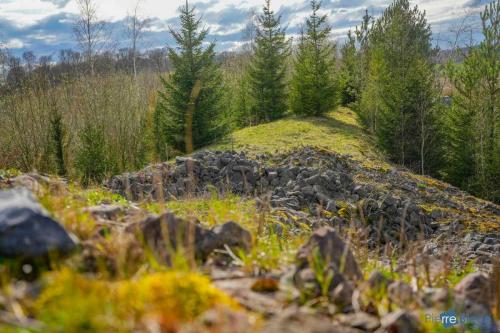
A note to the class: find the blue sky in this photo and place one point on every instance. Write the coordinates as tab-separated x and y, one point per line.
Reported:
45	26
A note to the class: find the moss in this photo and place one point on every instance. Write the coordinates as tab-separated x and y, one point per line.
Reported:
338	131
74	303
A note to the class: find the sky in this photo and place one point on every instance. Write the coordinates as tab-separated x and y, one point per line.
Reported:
46	26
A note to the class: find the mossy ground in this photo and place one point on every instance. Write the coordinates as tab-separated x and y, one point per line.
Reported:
339	131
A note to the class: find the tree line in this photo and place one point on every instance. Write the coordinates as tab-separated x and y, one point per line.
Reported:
387	71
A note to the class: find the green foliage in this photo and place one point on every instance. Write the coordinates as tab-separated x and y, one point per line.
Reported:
269	67
92	160
57	136
400	102
313	87
473	122
191	95
354	67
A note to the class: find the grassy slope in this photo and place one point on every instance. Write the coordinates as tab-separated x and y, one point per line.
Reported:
339	131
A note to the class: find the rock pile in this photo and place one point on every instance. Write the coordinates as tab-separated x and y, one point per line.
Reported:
308	179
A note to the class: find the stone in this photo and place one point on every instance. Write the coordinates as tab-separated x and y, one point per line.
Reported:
476	287
436	298
220	320
167	233
342	295
28	232
108	212
400	322
232	235
295	320
359	320
333	251
400	293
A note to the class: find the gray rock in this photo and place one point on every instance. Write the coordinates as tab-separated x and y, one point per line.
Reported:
296	321
400	293
342	295
360	320
109	212
28	232
400	322
167	233
332	250
476	287
232	235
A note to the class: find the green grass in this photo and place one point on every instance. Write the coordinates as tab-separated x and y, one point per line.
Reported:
339	131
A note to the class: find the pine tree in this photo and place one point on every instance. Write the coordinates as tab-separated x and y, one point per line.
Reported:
188	113
313	88
268	68
402	88
348	87
354	68
473	122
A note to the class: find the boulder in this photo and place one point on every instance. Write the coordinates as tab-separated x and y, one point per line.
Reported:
27	231
326	244
166	234
476	287
232	235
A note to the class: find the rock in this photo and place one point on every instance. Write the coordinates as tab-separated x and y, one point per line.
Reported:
108	212
232	235
220	320
476	287
167	233
359	320
400	322
400	293
436	298
299	321
28	232
473	315
342	295
28	181
332	250
378	282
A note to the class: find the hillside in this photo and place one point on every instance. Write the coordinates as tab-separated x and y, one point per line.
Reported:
304	227
339	131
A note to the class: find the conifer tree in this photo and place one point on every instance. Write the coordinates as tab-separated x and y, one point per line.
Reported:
473	122
354	68
313	87
268	68
188	113
402	88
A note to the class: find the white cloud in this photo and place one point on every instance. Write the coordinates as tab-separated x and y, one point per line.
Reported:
14	43
26	12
